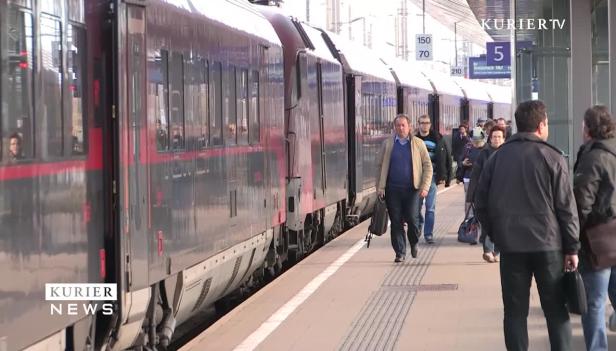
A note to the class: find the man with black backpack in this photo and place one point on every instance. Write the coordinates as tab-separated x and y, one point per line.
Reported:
404	173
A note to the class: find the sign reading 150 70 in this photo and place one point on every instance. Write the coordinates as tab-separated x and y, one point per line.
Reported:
423	47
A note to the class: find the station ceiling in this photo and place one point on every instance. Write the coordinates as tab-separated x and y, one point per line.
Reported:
469	13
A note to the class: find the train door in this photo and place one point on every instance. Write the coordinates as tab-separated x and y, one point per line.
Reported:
133	152
319	180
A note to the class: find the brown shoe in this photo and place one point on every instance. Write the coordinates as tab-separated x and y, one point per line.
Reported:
489	257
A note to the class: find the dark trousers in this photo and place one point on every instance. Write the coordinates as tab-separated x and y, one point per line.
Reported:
517	270
402	207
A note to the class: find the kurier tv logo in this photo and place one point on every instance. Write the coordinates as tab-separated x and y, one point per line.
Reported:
94	296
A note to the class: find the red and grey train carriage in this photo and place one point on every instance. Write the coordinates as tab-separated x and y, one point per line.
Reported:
152	156
315	132
370	97
52	193
155	153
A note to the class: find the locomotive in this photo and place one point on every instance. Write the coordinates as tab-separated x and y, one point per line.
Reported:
181	149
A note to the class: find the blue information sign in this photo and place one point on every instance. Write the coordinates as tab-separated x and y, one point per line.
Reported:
498	53
479	69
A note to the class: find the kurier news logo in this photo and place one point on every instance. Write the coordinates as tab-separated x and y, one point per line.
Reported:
93	297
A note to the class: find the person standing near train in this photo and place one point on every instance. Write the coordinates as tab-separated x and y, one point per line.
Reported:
441	167
404	174
525	203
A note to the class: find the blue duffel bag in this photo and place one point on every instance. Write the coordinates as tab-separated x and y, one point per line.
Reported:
468	232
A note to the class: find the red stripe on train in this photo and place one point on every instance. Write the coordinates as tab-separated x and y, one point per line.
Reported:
92	161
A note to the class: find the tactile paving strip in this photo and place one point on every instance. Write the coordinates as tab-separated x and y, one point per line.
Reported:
379	322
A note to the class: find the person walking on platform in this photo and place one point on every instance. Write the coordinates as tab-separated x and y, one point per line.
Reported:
459	140
594	186
471	154
496	138
404	173
525	202
441	167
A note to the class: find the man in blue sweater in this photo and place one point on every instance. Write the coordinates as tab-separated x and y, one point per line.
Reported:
405	172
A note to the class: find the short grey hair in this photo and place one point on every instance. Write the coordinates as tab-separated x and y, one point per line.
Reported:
402	115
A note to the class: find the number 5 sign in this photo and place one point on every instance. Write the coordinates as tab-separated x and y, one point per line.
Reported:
423	47
498	54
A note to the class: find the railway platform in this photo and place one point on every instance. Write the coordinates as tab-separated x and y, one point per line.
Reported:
346	296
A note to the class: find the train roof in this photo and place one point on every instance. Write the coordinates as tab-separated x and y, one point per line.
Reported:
358	59
499	94
293	32
236	14
318	41
444	84
406	74
473	90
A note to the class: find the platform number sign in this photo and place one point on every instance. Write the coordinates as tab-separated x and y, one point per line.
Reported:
423	47
498	54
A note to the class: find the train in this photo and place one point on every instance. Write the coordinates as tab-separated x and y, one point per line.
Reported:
181	150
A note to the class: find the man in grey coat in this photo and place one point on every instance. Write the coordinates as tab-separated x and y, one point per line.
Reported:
525	201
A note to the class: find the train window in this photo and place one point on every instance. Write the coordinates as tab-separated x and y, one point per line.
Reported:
51	73
229	106
22	3
76	37
202	85
254	124
176	100
216	104
52	7
158	89
76	11
320	88
191	108
242	106
18	95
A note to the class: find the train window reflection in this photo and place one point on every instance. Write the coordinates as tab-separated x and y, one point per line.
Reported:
242	107
50	118
254	133
229	106
18	94
76	63
52	7
158	88
176	100
216	104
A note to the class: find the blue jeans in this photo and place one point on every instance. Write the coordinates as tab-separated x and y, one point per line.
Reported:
402	206
430	202
599	285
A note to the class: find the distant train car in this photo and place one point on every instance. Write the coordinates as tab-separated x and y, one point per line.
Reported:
414	89
501	102
476	100
371	103
448	105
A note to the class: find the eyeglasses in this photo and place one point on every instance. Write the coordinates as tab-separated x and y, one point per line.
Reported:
424	123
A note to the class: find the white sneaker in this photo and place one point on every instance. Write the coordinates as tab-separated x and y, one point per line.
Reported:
611	324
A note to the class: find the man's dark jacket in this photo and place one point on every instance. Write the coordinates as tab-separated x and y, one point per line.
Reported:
442	164
525	200
594	183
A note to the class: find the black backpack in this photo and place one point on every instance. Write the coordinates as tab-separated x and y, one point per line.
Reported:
379	221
